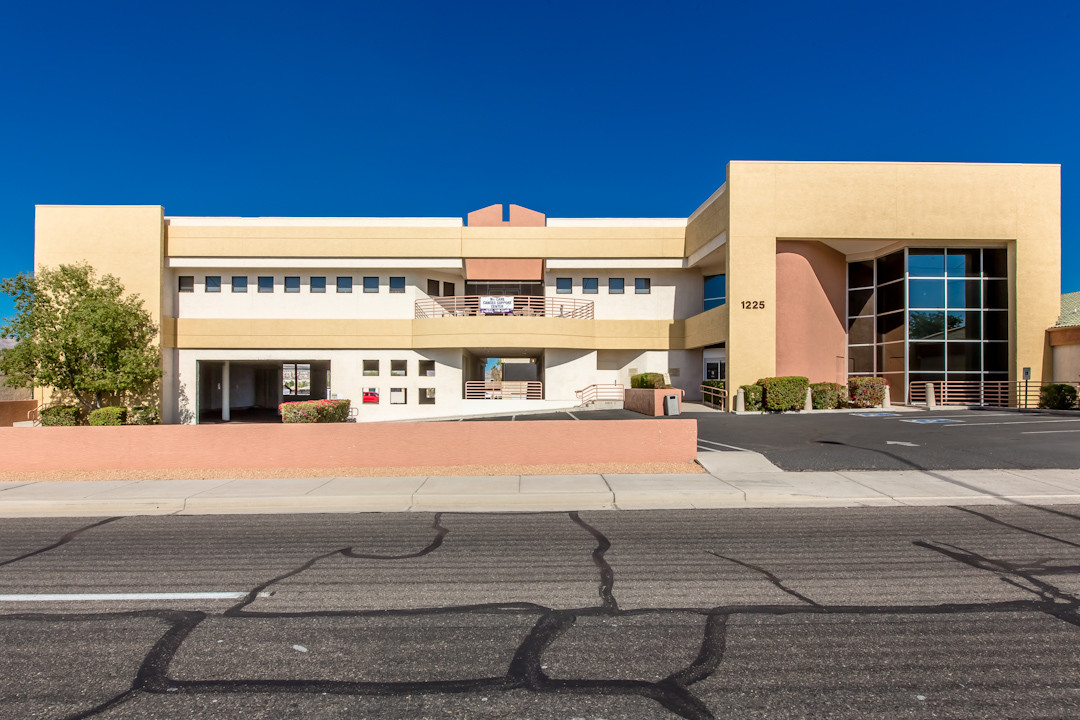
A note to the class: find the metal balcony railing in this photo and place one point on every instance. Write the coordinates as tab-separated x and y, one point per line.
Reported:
516	305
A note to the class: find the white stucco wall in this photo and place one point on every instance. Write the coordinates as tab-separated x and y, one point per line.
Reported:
674	294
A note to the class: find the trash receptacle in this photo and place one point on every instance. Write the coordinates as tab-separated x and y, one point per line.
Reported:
671	404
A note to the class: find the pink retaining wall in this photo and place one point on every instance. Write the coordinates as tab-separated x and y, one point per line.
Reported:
164	447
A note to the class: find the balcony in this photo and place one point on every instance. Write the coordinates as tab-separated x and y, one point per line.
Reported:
515	306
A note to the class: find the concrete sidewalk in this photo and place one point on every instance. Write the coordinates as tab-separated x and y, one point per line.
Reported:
733	480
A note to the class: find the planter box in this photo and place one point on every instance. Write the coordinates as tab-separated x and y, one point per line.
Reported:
649	402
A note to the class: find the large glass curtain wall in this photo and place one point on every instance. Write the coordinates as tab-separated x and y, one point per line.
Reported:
929	314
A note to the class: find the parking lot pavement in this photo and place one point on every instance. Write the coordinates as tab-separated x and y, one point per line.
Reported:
884	440
900	439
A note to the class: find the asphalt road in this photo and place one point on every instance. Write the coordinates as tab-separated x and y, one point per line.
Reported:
883	440
840	613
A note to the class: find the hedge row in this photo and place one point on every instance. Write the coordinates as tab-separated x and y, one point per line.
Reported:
789	393
71	415
648	381
315	411
1057	397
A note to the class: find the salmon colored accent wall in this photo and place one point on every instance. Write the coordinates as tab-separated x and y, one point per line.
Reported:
811	339
649	402
170	447
504	269
13	411
491	216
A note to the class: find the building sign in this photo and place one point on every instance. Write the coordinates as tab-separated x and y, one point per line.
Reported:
496	304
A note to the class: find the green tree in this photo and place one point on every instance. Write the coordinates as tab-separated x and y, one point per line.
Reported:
76	332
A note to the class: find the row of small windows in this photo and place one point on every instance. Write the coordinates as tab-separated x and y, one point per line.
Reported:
316	284
400	368
591	286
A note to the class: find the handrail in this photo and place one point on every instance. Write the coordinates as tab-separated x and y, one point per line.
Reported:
599	391
504	390
715	396
990	393
515	305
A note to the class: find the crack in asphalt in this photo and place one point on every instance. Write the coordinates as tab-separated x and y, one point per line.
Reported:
64	540
526	670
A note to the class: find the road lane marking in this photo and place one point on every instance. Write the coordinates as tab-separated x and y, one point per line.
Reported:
934	421
80	597
571	414
1016	422
707	449
901	442
733	447
1044	432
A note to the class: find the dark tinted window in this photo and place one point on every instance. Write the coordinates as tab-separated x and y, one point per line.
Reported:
926	263
371	284
344	284
643	286
213	283
995	263
615	286
292	283
433	288
317	284
860	274
187	283
590	286
563	285
890	267
397	284
239	283
266	284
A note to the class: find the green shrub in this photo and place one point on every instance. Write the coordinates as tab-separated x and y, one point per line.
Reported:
143	415
1057	397
648	381
108	416
866	392
784	393
59	416
752	396
827	396
315	411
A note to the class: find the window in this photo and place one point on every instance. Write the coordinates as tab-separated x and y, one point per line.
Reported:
266	284
371	395
433	288
371	367
397	284
239	283
563	285
615	286
213	283
427	396
292	284
642	286
427	368
715	291
398	367
448	289
344	284
397	396
296	379
187	283
317	284
371	284
590	286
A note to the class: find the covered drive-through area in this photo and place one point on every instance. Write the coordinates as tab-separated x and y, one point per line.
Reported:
252	390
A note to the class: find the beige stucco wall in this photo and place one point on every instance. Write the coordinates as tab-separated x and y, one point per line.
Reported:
902	203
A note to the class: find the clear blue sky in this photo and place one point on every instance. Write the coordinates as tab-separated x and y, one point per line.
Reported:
570	108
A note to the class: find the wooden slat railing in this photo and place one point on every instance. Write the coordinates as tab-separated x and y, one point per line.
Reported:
523	306
504	390
991	393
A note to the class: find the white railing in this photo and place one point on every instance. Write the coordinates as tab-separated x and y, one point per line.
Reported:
598	391
517	306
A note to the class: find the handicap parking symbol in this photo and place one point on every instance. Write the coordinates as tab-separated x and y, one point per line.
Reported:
931	421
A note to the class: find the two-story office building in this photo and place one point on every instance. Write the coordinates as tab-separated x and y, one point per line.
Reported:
909	271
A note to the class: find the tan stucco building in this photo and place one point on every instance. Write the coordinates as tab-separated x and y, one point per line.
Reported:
910	271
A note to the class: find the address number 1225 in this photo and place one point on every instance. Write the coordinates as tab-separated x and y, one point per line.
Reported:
753	304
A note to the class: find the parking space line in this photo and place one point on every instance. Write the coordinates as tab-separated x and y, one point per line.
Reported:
707	449
83	597
711	442
1044	432
1017	422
